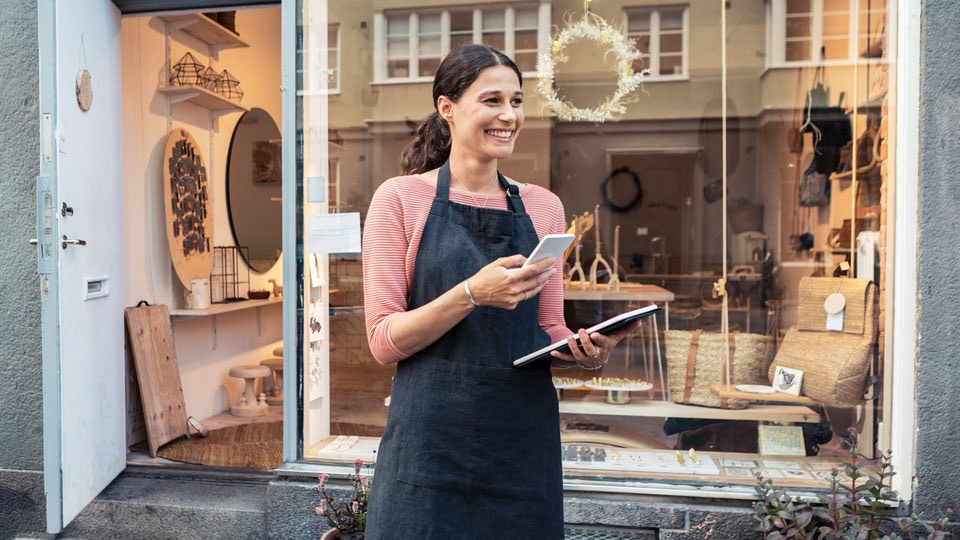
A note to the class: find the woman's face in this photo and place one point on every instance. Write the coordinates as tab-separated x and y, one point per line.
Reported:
487	118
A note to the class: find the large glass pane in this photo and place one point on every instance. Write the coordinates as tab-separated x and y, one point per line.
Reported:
671	208
671	43
493	20
639	22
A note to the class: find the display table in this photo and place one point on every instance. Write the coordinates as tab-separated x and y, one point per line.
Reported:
636	295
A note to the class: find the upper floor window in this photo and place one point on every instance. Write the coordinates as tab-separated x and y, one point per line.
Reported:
333	58
662	36
832	31
411	44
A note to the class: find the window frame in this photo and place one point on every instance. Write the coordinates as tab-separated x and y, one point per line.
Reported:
334	61
904	281
777	36
414	55
651	59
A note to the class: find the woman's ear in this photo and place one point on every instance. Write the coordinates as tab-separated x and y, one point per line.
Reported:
445	108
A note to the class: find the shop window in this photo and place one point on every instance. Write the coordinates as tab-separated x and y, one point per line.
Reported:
416	41
661	35
831	31
679	192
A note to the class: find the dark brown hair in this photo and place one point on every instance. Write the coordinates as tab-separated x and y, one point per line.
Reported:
456	73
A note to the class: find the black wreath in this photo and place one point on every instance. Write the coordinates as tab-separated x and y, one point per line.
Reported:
637	198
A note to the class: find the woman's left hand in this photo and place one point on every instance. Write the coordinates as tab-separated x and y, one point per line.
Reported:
593	351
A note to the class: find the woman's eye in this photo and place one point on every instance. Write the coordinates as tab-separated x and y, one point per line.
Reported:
516	101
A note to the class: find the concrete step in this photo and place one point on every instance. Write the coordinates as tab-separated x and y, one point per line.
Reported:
148	507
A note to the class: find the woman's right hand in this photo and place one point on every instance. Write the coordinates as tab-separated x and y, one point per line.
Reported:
504	284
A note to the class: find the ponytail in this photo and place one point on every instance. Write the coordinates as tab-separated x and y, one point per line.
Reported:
430	149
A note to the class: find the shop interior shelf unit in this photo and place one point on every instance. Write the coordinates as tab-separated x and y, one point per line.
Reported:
217	309
205	29
200	96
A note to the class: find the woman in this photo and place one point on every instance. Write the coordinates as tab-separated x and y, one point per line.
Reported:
472	445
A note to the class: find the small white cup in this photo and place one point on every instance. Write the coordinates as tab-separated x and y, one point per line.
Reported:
199	295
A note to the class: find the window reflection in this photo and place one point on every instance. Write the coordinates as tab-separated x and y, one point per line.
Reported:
653	183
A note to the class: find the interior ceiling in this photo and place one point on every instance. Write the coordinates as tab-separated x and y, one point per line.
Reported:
128	7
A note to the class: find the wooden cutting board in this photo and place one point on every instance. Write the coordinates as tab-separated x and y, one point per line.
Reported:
158	375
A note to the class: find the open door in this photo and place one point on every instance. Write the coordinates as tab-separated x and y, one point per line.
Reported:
79	248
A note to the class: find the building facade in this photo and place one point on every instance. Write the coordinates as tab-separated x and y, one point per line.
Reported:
367	128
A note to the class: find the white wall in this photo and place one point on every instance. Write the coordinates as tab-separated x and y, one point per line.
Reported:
206	346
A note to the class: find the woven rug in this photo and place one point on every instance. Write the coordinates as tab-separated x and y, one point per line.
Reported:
255	446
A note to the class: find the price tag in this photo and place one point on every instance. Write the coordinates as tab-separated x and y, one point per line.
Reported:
834	305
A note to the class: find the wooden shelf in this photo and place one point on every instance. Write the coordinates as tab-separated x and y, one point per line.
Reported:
725	391
216	309
667	409
200	96
205	29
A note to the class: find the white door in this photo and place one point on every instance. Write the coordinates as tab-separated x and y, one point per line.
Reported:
80	260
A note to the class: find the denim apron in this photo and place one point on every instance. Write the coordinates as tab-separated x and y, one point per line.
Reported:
472	444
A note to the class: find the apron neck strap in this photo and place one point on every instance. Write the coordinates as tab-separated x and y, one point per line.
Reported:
513	192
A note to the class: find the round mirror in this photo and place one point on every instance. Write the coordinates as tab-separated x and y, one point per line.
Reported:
253	189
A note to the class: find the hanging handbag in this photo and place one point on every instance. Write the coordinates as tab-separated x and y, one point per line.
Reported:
814	186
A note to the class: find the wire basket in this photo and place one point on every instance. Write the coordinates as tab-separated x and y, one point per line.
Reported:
187	71
228	86
229	279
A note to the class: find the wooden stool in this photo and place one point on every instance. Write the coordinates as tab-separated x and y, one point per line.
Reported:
276	366
248	405
278	351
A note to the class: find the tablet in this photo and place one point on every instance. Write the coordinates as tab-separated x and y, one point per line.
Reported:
604	327
552	245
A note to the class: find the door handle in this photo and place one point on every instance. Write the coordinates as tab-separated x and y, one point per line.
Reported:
66	241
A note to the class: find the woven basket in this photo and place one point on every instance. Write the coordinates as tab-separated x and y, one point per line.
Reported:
691	372
835	364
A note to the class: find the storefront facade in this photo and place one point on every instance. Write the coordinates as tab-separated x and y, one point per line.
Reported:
915	338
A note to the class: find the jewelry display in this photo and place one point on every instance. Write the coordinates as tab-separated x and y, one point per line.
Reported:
598	258
577	268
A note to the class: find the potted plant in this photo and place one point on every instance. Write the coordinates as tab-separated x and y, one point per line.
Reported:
347	517
860	505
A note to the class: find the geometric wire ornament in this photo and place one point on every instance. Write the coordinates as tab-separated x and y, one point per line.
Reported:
228	86
208	79
186	71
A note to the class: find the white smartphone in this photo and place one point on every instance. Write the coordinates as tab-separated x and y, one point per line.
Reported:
552	245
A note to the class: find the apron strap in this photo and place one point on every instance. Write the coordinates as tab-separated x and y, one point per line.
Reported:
443	182
513	192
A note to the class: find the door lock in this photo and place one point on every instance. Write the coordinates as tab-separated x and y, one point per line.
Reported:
66	241
66	210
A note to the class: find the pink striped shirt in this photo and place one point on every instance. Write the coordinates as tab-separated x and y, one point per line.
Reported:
391	237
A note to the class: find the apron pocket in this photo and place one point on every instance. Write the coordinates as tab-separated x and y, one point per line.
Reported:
478	430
